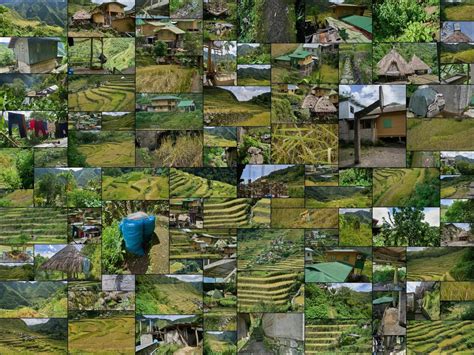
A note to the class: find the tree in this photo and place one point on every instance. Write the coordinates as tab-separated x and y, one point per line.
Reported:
160	49
406	226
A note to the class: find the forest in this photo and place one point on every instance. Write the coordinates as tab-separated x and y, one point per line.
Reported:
355	227
16	177
338	301
61	187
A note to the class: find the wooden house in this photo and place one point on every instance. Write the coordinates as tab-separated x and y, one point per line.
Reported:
348	256
186	106
189	25
34	54
81	17
287	88
170	34
163	103
300	60
418	66
393	67
342	10
108	11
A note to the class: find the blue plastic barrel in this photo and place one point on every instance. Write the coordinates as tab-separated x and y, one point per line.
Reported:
132	231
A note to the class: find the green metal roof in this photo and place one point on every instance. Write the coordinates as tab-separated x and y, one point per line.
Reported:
165	97
186	103
362	22
299	54
285	57
384	299
327	272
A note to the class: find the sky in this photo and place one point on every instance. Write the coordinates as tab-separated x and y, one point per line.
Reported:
256	66
128	3
245	93
432	215
231	47
167	317
30	322
368	94
5	40
453	154
411	286
466	27
449	202
114	113
359	287
48	250
257	171
255	45
187	278
346	210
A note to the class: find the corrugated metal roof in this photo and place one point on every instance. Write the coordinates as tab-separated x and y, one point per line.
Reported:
327	272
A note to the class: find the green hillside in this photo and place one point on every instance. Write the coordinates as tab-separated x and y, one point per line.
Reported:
13	24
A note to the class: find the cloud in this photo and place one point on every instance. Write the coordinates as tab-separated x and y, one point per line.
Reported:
411	286
245	93
359	287
368	94
187	278
432	216
129	3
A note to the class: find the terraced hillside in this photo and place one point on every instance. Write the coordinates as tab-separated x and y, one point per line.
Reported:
114	335
109	154
441	337
324	338
184	184
182	247
116	94
239	212
271	250
36	225
271	291
14	341
137	186
397	187
433	268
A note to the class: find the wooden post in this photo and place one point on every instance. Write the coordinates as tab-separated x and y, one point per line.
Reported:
395	275
92	52
356	140
101	52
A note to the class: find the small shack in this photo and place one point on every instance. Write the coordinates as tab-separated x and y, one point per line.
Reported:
419	67
393	67
342	10
34	54
68	260
163	103
81	17
108	11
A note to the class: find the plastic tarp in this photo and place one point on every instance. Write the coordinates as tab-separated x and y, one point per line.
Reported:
137	230
420	100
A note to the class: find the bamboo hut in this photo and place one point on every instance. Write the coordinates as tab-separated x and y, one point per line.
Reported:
68	260
419	66
457	36
393	66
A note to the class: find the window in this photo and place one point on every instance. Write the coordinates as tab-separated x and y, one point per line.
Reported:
387	123
352	109
366	124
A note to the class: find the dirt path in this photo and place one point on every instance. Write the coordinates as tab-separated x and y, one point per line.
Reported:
255	348
196	84
276	21
378	157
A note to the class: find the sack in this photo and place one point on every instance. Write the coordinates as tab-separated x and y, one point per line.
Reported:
132	232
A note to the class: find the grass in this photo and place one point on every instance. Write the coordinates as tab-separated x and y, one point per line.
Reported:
308	144
169	120
398	187
340	196
221	108
456	187
186	151
433	268
136	185
461	12
351	234
17	198
216	141
457	291
183	184
168	78
462	57
123	122
304	218
109	154
440	337
440	134
112	335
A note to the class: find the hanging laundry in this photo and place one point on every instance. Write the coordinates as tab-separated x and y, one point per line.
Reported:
39	128
17	119
51	129
61	130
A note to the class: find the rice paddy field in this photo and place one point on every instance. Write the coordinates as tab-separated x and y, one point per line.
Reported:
433	268
168	78
184	184
457	291
110	334
439	337
118	153
304	218
136	185
115	94
236	213
440	134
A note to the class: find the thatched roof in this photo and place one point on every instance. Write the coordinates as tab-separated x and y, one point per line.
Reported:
309	101
81	15
456	37
393	64
417	64
68	259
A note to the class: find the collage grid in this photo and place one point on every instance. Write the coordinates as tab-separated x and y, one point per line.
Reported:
236	176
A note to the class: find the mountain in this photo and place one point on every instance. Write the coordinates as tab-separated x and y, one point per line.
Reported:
14	24
287	175
55	328
463	158
364	216
254	73
264	99
244	49
52	12
11	298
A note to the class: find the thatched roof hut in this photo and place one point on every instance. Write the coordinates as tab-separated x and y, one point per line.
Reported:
457	36
418	65
394	65
81	15
324	105
68	259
